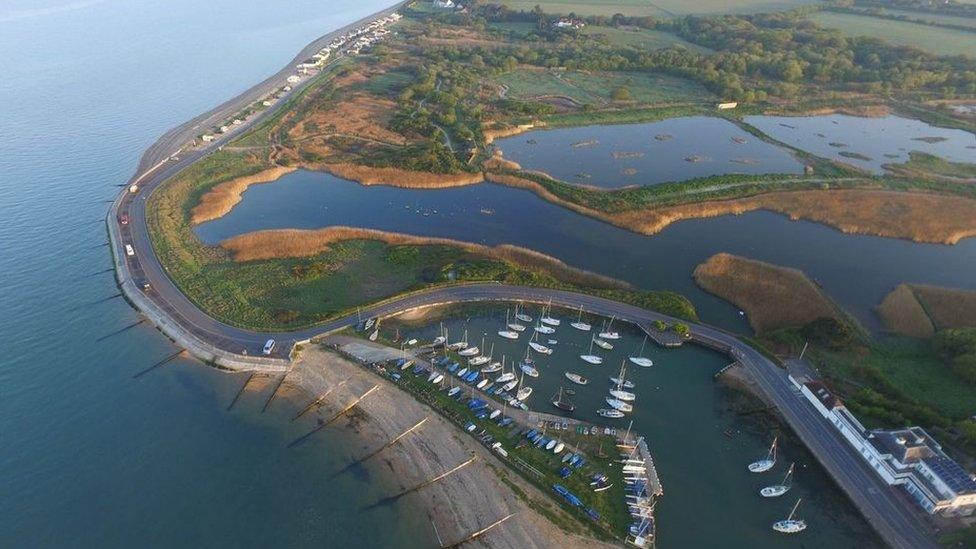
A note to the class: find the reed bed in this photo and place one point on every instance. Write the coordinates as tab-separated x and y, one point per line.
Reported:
290	243
920	217
947	307
396	177
773	297
901	313
219	200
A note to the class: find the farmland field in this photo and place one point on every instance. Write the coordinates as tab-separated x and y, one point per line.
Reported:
935	40
935	17
595	88
641	38
659	8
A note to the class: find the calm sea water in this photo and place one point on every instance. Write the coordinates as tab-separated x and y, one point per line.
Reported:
856	270
646	154
701	447
90	456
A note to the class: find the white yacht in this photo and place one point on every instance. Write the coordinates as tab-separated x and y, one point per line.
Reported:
640	359
603	344
778	490
590	357
579	324
791	525
508	333
607	333
766	464
619	405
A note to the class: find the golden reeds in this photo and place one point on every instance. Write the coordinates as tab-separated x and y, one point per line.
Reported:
901	313
772	296
285	243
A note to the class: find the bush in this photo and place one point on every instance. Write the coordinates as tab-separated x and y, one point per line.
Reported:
828	332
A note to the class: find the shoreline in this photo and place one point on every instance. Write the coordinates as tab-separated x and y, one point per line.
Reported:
432	449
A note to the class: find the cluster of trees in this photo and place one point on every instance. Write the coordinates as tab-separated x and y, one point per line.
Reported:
785	48
958	349
757	55
438	99
946	7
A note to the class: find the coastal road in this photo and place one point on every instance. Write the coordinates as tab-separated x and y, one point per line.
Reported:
896	519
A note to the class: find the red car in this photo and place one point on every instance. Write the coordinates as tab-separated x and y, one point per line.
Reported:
124	219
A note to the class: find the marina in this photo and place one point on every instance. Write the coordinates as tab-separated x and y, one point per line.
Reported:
678	406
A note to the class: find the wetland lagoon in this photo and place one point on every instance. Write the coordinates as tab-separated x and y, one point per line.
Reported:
856	270
701	433
647	154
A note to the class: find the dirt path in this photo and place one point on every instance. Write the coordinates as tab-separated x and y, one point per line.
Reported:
464	502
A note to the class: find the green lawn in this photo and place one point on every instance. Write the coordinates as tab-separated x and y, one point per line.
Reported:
595	88
940	41
658	8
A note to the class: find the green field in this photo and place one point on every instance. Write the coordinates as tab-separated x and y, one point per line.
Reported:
641	38
935	17
595	88
659	8
940	41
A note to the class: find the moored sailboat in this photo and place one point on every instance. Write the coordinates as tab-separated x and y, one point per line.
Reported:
766	464
590	357
547	317
522	316
640	359
579	324
564	405
608	333
610	413
576	378
778	490
620	405
791	525
508	333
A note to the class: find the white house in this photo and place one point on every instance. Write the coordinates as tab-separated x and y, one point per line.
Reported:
906	457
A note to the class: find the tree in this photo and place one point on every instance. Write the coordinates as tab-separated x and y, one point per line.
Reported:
620	93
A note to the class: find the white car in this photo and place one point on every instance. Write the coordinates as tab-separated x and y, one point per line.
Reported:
269	347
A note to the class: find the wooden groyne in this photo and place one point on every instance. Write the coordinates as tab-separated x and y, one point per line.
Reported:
158	364
274	393
240	391
325	424
318	401
479	533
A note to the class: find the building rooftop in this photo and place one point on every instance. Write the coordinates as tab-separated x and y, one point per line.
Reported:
906	445
952	474
825	397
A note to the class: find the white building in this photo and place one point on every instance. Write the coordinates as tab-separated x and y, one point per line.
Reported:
444	4
906	457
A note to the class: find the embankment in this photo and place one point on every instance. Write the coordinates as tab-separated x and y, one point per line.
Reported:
773	297
286	243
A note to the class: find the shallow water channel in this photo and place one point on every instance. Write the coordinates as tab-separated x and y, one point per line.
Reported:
856	270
